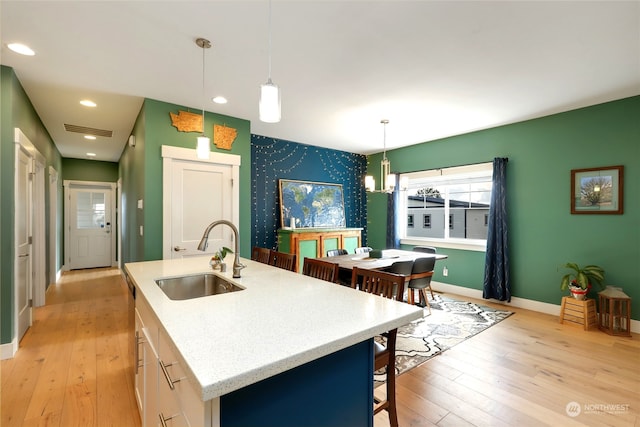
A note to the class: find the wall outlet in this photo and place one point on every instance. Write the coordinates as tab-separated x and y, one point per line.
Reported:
141	230
445	272
140	204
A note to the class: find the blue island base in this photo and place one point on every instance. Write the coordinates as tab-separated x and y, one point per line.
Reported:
335	390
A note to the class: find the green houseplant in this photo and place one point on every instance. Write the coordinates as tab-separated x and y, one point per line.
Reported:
579	281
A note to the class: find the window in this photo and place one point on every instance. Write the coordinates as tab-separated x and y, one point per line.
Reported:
91	210
454	203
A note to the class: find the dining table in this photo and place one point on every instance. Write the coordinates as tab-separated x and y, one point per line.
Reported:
389	256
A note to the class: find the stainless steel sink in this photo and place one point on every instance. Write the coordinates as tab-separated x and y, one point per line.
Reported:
196	286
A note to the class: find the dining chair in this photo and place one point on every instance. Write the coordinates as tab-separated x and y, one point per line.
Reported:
425	249
363	250
404	268
262	255
382	283
320	269
336	252
420	279
282	260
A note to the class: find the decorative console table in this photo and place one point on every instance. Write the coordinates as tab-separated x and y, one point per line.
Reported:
315	242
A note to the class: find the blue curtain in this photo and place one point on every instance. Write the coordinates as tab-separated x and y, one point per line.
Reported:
496	269
393	223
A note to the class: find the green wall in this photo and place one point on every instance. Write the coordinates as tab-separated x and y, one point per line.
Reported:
543	234
89	170
141	172
16	111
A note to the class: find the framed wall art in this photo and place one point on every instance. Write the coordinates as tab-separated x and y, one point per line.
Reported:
597	190
311	204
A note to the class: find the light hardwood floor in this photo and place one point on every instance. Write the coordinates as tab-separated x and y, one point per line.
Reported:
72	370
72	367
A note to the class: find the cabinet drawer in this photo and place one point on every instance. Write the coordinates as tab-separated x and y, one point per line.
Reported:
176	392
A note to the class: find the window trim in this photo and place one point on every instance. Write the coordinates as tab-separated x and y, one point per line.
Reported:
452	243
462	244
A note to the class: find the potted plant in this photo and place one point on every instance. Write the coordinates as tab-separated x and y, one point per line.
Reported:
580	280
217	260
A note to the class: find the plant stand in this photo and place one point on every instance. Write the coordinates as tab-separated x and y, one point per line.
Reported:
579	313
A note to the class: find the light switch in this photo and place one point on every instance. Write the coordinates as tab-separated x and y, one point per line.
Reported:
141	230
140	204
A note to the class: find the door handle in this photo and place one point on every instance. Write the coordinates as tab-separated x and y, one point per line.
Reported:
23	255
178	249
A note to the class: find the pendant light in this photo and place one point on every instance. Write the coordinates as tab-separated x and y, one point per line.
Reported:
269	105
204	144
387	179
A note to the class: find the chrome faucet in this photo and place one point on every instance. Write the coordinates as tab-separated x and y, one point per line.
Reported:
237	266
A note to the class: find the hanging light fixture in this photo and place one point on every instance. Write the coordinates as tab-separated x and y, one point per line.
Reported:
269	105
204	144
387	179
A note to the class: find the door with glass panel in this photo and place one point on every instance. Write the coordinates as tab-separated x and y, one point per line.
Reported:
90	225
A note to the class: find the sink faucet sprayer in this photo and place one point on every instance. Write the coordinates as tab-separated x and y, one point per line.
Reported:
237	266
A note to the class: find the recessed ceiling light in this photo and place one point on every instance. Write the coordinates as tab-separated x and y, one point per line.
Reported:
20	48
88	103
219	99
89	137
91	154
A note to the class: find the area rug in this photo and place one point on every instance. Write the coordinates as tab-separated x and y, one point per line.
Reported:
450	322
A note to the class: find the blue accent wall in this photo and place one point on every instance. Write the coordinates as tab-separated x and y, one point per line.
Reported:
274	159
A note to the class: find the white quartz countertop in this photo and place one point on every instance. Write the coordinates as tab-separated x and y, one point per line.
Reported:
279	321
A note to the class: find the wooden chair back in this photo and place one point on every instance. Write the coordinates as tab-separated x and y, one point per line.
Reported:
320	269
377	282
382	283
385	357
283	260
262	255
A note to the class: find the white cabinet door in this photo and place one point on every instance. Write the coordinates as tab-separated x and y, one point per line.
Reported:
139	365
173	386
150	366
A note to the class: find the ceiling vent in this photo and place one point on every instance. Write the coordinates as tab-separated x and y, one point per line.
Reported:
88	131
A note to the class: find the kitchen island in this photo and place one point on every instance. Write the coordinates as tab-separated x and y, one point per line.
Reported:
286	350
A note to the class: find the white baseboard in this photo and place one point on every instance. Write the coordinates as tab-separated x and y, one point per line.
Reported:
541	307
8	350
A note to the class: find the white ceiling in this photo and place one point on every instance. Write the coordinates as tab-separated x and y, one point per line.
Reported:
434	69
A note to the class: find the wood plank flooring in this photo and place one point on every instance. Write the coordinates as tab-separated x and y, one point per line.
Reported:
525	371
72	370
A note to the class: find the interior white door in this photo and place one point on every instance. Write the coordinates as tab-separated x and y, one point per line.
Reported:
89	227
54	234
23	230
200	194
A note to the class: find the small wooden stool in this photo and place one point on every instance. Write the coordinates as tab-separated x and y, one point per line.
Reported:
579	313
